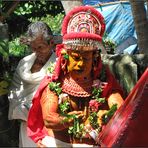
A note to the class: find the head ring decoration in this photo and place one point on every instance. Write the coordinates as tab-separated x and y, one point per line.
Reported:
83	26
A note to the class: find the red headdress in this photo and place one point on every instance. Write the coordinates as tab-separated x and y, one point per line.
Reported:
83	26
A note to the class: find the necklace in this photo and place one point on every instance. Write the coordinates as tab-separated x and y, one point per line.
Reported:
77	88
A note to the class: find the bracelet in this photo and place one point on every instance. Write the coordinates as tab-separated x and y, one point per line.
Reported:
93	134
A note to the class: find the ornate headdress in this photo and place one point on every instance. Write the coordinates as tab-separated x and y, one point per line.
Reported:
83	26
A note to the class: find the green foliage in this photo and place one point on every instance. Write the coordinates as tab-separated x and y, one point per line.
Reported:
66	56
101	100
51	12
77	130
93	120
4	49
109	114
4	74
17	49
3	87
109	44
51	67
53	86
96	93
38	8
25	9
64	107
54	23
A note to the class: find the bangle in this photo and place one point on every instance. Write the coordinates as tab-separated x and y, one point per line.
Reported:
93	134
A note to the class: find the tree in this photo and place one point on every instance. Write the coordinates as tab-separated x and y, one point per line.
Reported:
68	5
7	8
147	7
141	24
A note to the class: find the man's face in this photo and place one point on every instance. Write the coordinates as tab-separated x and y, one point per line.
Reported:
80	63
40	47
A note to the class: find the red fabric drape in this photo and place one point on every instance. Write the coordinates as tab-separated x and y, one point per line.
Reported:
129	125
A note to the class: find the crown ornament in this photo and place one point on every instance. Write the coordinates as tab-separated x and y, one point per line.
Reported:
83	26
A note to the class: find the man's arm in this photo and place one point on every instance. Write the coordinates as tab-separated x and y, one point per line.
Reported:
52	119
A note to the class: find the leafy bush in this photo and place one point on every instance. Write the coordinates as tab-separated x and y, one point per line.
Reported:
4	48
4	65
109	44
55	23
17	49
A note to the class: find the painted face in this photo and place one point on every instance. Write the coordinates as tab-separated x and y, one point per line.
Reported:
40	47
80	63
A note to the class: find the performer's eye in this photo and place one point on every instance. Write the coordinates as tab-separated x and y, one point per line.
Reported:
76	56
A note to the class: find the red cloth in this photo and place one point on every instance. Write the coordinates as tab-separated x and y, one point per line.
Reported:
129	125
35	119
112	85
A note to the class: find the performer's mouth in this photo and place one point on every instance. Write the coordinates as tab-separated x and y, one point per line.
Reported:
79	71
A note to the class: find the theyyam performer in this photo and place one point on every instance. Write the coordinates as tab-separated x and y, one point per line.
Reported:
71	107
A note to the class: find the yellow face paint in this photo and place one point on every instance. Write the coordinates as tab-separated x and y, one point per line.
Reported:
80	63
75	62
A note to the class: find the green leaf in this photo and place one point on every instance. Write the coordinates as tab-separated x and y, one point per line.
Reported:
51	67
4	49
109	114
53	86
101	100
93	120
96	93
66	56
64	107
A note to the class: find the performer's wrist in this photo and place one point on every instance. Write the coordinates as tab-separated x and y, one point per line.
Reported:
64	122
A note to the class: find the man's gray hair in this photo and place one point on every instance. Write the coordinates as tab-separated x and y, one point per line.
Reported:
39	28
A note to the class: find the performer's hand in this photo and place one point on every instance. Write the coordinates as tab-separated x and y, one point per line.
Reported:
78	113
100	114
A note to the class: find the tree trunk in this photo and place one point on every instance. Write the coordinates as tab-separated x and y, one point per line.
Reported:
70	4
141	24
9	10
147	8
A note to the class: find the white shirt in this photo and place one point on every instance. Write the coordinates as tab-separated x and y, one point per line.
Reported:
24	86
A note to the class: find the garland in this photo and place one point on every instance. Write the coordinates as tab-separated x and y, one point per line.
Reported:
78	129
